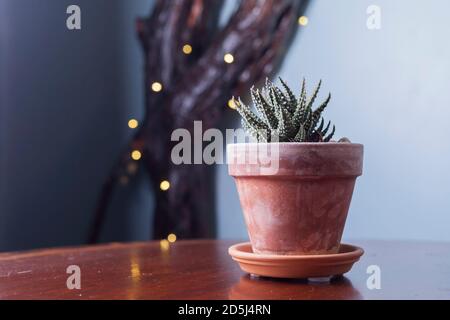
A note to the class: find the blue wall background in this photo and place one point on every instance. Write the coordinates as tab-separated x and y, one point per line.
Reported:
390	92
66	98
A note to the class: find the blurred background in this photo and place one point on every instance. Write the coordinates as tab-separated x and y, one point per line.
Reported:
66	98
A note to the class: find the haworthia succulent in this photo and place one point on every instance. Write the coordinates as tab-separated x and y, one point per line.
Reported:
280	113
290	96
252	119
317	114
328	138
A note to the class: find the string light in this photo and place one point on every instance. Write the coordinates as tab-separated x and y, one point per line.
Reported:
187	49
228	58
157	86
136	155
232	104
164	185
133	123
164	244
172	238
303	21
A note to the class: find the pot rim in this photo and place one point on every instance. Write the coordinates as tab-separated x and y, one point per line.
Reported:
300	159
297	143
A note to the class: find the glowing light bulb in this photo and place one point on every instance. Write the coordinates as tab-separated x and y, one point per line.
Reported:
133	123
157	86
303	21
164	185
172	238
136	155
232	104
228	58
187	49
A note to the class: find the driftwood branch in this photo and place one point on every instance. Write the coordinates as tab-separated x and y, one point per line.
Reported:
197	87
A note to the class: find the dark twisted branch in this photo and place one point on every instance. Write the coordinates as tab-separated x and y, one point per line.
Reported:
197	87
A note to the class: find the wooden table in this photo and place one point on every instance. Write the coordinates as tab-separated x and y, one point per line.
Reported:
203	270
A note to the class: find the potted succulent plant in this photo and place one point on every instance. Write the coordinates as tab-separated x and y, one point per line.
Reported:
300	208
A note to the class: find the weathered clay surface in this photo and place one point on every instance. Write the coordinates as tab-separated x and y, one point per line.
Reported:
295	266
302	207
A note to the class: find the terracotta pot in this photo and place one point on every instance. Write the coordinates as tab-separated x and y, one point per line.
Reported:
296	203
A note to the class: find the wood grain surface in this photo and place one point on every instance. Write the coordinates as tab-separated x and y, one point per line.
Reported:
204	270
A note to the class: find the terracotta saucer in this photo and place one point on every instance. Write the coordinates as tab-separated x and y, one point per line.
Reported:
320	267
